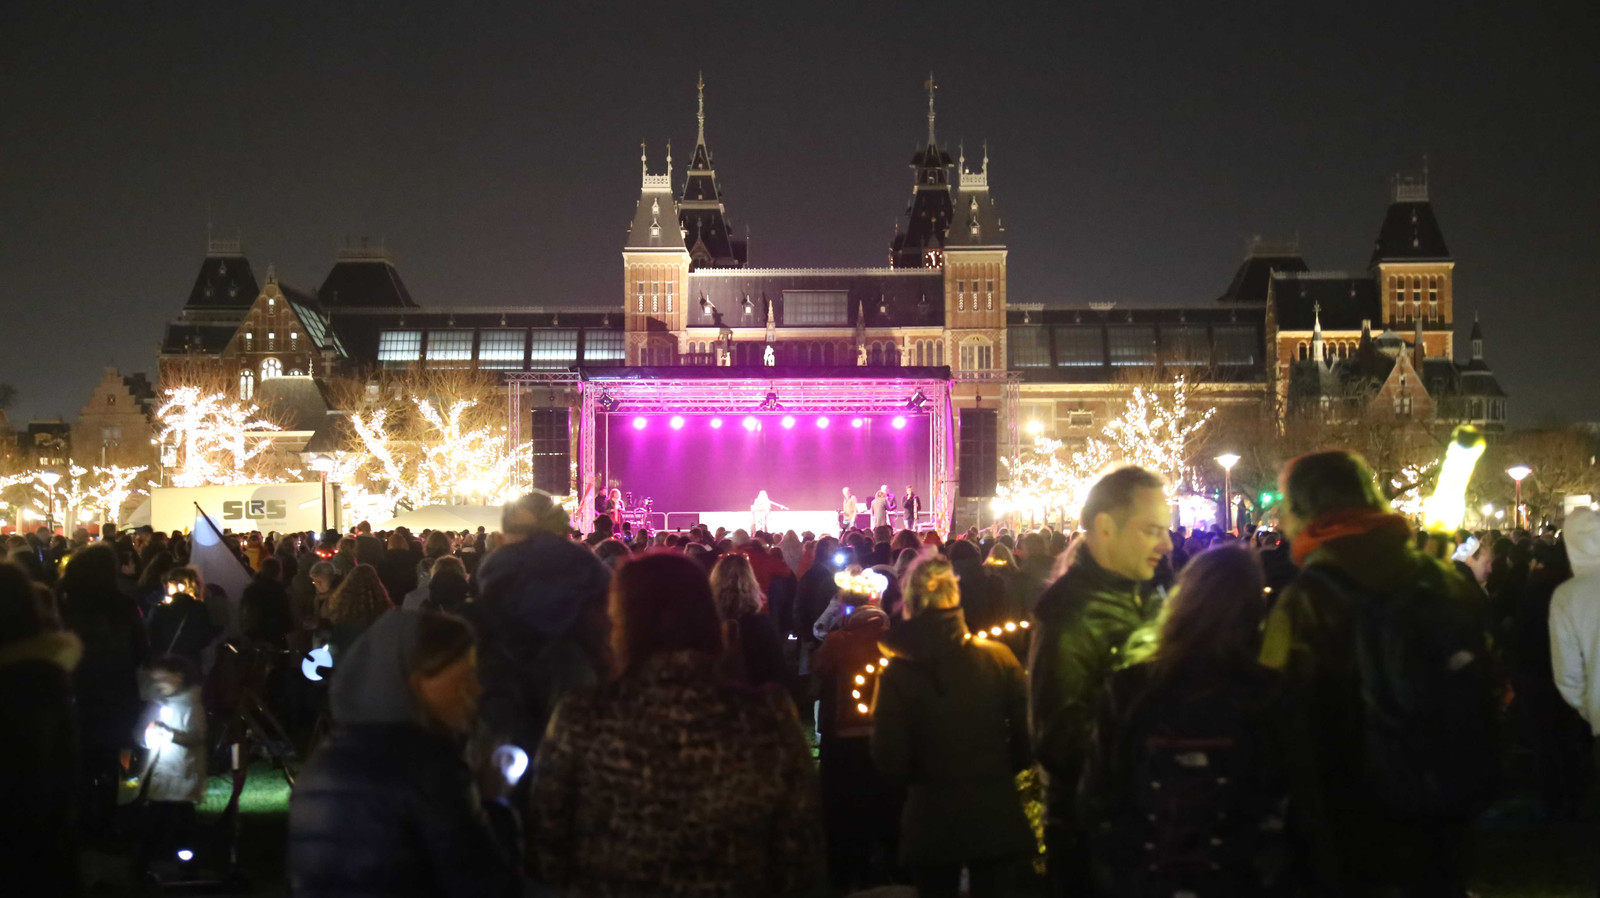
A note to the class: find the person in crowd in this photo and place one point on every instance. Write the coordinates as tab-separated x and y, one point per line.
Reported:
447	590
754	654
793	549
1198	751
1557	733
910	508
180	624
879	507
105	683
344	556
667	780
980	588
1034	562
1011	590
369	549
816	589
860	806
325	578
603	530
1575	618
611	552
542	615
434	547
173	731
151	589
1403	741
265	605
39	749
1083	621
950	724
387	805
397	568
355	605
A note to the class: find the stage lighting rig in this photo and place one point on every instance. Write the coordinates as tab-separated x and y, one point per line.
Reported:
770	404
606	403
917	401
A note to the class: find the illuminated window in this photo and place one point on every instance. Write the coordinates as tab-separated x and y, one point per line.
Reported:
977	354
553	348
450	346
247	385
602	346
1132	345
399	347
271	368
501	349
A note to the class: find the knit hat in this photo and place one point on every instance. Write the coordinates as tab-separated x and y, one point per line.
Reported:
1582	535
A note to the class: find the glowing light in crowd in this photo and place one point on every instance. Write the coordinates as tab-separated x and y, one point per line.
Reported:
822	423
899	422
716	423
320	656
1446	508
787	422
676	423
856	422
751	424
638	423
185	855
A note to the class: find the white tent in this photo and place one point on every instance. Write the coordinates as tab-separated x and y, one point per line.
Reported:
445	517
139	517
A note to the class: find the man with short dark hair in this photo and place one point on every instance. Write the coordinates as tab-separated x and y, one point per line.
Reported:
1083	621
1361	573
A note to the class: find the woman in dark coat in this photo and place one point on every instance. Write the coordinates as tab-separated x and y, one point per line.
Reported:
951	725
754	648
105	683
265	605
387	806
39	749
398	567
180	624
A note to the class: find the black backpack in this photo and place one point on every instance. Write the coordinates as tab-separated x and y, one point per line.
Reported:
1427	695
1194	795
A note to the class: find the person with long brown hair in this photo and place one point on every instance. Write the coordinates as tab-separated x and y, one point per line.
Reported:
1197	750
754	654
358	601
667	780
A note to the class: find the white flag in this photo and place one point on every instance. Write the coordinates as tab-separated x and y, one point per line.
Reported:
218	567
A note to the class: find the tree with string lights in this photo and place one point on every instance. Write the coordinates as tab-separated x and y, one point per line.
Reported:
215	440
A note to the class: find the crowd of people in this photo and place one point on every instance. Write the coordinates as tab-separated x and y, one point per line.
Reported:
1316	709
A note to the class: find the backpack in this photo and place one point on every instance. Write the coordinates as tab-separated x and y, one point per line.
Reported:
1194	794
1427	695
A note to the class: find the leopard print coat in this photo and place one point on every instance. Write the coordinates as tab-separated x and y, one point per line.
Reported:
668	782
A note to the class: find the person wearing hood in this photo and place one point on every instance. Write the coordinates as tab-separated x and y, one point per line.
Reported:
1575	619
541	613
1082	623
387	805
859	805
445	588
950	724
39	751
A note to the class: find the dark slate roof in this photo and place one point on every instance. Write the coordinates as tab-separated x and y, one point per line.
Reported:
975	218
1250	281
1093	346
199	337
363	283
1410	233
333	434
140	388
888	299
224	281
294	403
928	215
1345	300
655	222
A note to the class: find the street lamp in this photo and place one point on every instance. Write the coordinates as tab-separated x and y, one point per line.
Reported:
1517	473
322	465
1227	461
50	479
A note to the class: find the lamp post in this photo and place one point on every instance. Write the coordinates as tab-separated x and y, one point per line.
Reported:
50	479
1517	473
322	465
1227	461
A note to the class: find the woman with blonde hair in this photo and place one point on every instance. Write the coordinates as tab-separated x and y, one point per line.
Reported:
754	648
951	725
356	604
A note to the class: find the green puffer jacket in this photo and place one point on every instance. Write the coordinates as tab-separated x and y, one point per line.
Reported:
1081	625
950	725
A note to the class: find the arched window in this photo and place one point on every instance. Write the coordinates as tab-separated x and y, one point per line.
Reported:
827	354
938	352
977	354
875	355
271	368
247	385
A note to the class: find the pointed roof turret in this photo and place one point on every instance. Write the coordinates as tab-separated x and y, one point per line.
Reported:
1476	339
655	217
975	220
701	213
225	279
921	245
1316	333
1410	232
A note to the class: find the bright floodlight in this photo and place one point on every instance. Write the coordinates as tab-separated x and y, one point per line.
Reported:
321	463
638	423
787	422
822	422
185	855
1035	427
1227	461
750	423
49	478
1516	473
716	423
899	422
856	422
676	423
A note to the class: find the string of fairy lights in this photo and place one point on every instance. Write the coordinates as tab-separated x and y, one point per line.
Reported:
866	680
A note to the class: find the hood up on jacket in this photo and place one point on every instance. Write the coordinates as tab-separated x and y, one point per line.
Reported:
371	684
1582	535
540	583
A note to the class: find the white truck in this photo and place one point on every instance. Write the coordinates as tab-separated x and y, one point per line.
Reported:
283	507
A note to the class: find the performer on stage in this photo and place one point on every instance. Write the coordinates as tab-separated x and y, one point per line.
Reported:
880	510
614	509
910	507
761	510
848	509
890	495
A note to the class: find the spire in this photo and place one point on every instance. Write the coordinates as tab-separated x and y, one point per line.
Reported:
701	87
1477	339
932	86
701	210
921	243
1316	334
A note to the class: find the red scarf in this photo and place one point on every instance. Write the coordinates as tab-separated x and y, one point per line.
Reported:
1344	522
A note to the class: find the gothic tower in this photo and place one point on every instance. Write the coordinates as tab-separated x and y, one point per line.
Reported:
921	243
655	267
1414	268
707	235
975	274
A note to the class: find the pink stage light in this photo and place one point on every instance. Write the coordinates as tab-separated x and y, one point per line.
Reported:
899	422
716	423
751	424
676	422
856	422
822	422
788	422
638	423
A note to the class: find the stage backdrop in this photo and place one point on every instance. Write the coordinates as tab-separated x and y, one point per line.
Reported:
701	468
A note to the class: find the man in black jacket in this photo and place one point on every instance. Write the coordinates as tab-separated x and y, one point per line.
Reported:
1083	621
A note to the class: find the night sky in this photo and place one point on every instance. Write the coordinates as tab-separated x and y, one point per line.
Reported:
1134	148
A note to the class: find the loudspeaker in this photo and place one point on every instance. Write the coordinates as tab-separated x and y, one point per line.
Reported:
978	451
549	433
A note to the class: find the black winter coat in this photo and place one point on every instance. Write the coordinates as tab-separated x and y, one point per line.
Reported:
265	605
38	766
105	683
390	809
